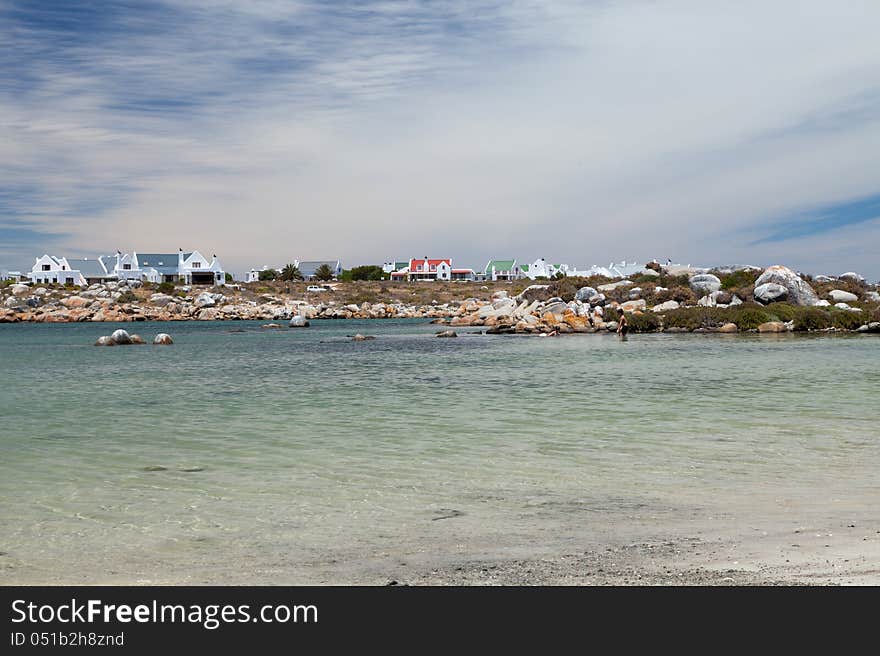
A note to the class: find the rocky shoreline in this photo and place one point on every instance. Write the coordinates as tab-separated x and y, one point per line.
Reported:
726	300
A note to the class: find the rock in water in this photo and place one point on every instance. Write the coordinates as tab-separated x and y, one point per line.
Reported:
840	296
770	292
799	292
705	283
137	339
447	333
728	328
298	321
361	338
121	337
772	327
163	339
105	340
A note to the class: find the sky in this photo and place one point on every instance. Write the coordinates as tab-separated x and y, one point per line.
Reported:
264	131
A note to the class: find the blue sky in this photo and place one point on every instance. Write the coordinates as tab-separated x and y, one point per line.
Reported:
264	131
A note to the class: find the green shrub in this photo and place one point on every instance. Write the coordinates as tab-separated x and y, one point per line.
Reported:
165	288
646	322
127	297
749	316
846	319
738	279
812	318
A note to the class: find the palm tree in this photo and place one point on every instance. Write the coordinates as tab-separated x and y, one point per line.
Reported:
324	272
290	273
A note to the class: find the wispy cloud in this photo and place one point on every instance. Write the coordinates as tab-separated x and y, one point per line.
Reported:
267	130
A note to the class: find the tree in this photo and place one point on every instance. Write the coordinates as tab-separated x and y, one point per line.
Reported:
368	272
228	277
324	272
268	274
290	273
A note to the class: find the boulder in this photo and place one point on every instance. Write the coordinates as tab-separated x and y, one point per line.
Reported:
632	306
19	290
161	300
75	302
534	293
137	339
799	292
705	283
735	300
105	340
840	296
557	307
361	338
770	292
649	272
852	275
12	302
822	278
584	294
499	294
121	337
822	303
41	291
611	286
298	321
872	296
446	333
666	306
271	325
163	339
205	300
728	328
654	266
772	327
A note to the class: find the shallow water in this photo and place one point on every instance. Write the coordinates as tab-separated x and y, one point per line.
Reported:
312	453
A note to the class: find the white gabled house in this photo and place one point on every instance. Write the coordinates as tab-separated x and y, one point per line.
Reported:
190	268
49	269
425	269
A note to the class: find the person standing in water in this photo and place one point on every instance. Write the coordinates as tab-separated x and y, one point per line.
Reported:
622	324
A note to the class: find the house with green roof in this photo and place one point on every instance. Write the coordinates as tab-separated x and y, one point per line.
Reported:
502	270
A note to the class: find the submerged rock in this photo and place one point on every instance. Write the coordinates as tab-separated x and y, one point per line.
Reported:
121	336
447	333
772	327
361	338
163	339
137	339
105	340
298	321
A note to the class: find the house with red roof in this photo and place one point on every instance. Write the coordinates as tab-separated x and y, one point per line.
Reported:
425	269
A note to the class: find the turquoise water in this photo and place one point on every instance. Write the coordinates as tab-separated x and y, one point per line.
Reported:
313	458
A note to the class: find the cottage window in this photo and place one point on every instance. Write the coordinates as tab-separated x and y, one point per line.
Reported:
46	267
196	265
433	268
126	267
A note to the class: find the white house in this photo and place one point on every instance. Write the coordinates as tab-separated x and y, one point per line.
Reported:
308	268
49	269
502	270
426	269
190	268
542	269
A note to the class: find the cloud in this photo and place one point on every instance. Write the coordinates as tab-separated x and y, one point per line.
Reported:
583	132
